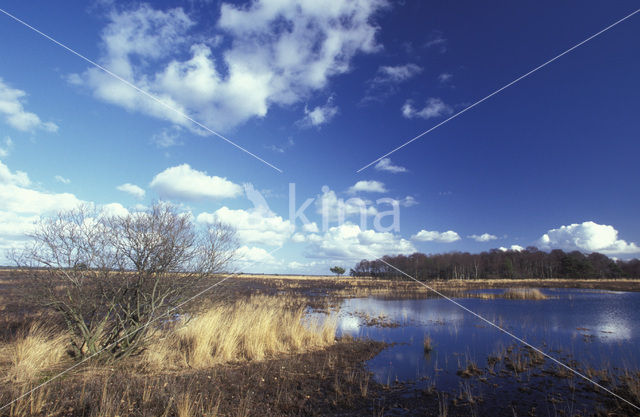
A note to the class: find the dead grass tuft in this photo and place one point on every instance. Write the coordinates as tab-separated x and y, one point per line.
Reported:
512	294
246	330
34	352
524	294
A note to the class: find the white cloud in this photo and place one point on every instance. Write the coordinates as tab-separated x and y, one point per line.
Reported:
113	209
386	81
283	147
319	115
485	237
308	266
18	178
396	74
408	201
277	53
434	107
367	187
385	164
167	137
184	182
333	208
8	145
514	248
587	237
298	238
12	107
14	225
20	207
349	241
445	77
432	236
62	179
438	41
23	200
255	226
310	227
254	257
132	189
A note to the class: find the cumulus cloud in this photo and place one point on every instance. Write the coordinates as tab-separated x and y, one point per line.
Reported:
385	164
14	225
18	178
333	208
367	187
21	206
185	183
8	145
254	256
433	236
587	237
310	227
132	189
349	241
24	200
434	107
113	210
16	197
408	201
254	226
514	248
12	108
319	115
277	53
485	237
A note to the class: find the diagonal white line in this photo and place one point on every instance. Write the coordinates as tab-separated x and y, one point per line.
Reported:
500	89
165	314
140	90
510	334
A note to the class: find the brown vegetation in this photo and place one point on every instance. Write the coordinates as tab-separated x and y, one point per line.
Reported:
248	331
512	294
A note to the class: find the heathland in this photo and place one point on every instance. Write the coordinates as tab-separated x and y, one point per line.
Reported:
270	345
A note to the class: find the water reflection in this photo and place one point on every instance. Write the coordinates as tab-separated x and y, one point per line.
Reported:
594	328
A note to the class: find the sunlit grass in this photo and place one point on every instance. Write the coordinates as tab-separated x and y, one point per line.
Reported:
512	294
245	330
33	352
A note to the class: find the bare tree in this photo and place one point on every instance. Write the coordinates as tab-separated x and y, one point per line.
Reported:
110	276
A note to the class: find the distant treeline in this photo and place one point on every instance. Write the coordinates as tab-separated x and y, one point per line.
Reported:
529	263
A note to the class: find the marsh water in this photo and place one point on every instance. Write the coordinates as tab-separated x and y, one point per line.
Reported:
582	328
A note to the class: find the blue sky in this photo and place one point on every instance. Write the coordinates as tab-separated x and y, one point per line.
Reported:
319	91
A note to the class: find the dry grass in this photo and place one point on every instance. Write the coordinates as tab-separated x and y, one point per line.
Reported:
33	353
524	294
427	344
246	330
512	294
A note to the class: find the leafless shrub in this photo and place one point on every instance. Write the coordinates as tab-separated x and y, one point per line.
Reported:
109	277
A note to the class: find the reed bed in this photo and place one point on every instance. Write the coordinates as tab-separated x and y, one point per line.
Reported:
524	294
512	294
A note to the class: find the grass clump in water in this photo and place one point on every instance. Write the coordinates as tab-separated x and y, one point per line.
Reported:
428	344
524	294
